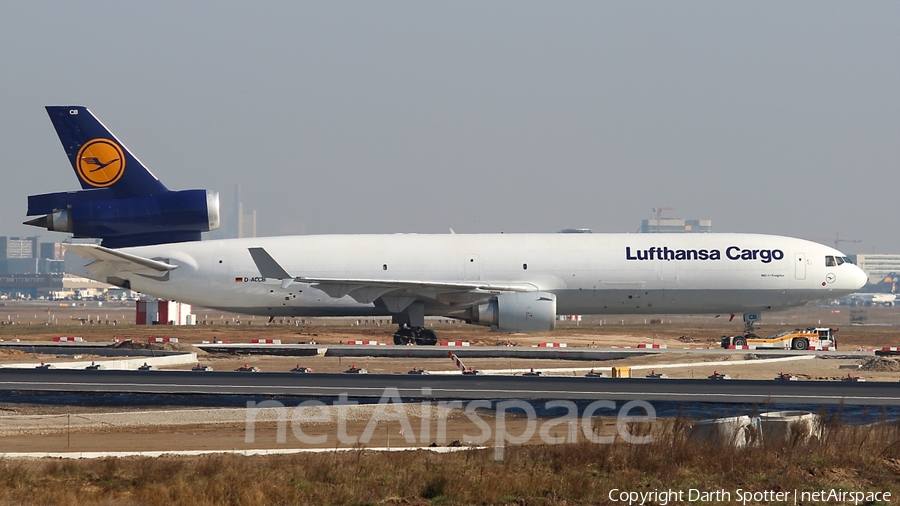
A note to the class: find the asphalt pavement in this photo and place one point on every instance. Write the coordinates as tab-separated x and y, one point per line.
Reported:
448	387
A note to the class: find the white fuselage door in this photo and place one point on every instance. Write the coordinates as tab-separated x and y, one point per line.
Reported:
800	265
472	268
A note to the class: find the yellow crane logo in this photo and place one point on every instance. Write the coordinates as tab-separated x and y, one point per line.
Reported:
100	163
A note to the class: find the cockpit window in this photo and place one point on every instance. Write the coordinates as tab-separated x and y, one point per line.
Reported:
847	260
829	261
839	260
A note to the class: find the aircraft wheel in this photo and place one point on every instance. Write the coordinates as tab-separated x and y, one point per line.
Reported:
404	336
740	341
800	344
426	337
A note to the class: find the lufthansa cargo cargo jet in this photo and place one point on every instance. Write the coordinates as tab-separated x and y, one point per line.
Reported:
510	282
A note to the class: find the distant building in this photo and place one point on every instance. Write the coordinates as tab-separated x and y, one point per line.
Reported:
18	255
675	225
164	312
27	255
239	223
878	265
52	251
17	247
29	285
246	222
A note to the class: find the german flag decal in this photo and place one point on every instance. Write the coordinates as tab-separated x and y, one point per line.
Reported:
238	280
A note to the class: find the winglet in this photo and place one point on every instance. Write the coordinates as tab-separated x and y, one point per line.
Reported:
268	267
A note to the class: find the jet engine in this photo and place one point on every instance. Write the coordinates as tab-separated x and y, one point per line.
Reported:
173	216
517	312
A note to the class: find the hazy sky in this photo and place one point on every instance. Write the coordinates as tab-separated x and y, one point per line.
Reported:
344	117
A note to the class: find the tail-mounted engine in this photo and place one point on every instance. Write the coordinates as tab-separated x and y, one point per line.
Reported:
172	216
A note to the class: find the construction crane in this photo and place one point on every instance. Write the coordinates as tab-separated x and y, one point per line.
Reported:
837	241
659	211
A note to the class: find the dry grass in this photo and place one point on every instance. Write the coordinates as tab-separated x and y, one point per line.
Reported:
849	457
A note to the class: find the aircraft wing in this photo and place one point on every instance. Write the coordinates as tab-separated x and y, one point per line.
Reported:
109	261
366	290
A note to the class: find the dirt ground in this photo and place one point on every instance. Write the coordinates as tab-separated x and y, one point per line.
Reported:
42	323
875	327
455	429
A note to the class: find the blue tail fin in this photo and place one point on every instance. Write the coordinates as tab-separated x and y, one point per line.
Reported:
99	159
121	203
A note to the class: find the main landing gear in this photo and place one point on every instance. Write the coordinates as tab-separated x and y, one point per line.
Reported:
415	335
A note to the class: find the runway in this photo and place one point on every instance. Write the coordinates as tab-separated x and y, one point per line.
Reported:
373	386
414	352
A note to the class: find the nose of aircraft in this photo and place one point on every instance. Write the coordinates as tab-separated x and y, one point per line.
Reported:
858	278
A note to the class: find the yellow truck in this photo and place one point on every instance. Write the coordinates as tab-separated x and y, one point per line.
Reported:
797	339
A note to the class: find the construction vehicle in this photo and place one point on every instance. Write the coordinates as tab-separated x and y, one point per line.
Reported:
797	339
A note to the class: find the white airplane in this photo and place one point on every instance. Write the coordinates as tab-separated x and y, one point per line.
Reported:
510	282
868	299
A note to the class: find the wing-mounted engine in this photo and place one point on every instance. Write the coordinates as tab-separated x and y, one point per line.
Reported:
172	216
517	312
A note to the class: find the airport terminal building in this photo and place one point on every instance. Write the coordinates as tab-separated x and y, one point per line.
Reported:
878	265
674	226
32	269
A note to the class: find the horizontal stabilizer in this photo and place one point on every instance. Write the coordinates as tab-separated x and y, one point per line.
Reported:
123	262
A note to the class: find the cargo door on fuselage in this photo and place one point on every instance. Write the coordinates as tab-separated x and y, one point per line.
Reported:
800	265
471	268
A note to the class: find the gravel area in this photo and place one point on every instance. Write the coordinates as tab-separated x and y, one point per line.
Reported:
62	422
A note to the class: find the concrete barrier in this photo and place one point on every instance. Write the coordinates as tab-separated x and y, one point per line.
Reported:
737	431
67	339
129	364
784	426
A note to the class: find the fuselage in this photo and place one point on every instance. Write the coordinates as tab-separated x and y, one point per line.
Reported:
588	273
